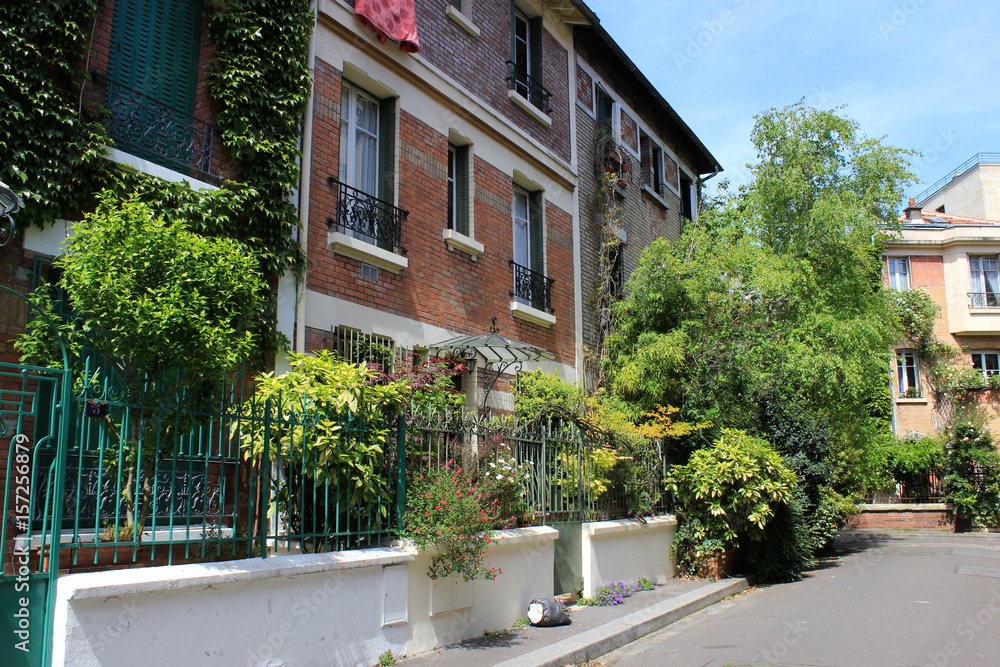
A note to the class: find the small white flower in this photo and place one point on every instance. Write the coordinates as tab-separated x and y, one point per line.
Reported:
501	476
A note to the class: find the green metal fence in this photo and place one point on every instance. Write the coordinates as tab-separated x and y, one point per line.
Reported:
163	476
168	475
573	476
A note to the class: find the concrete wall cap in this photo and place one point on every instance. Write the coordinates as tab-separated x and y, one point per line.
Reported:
134	581
622	525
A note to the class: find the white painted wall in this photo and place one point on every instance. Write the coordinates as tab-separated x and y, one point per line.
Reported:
317	609
342	608
464	610
627	549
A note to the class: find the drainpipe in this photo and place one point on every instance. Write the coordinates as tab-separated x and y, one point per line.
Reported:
305	176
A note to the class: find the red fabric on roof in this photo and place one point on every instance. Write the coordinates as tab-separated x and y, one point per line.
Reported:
394	19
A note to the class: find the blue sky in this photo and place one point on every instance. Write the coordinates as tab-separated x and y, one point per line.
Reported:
923	74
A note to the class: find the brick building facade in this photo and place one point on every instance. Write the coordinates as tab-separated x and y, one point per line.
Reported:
659	195
954	259
439	190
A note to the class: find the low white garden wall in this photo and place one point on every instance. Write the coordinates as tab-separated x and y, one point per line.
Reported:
307	609
627	549
448	611
343	608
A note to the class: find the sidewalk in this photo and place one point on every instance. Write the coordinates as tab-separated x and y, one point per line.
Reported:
593	632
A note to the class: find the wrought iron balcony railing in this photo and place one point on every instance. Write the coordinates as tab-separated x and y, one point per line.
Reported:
532	287
530	89
368	218
138	122
984	299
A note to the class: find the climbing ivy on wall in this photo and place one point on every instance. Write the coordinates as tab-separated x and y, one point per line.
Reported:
260	82
47	153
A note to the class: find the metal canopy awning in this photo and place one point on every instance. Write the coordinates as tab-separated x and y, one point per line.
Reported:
499	354
493	347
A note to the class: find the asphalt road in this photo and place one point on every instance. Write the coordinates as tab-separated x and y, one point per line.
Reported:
885	600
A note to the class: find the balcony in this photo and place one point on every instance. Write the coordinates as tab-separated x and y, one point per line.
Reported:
984	299
520	82
532	296
161	134
367	228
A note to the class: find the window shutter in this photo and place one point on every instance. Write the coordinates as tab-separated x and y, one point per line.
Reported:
535	40
154	49
513	11
387	156
536	231
462	199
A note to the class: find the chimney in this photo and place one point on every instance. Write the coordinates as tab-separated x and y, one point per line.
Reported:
913	212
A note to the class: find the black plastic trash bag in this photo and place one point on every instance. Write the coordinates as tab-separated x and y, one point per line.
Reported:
545	613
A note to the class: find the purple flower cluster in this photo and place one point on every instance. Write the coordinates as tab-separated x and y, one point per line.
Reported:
614	593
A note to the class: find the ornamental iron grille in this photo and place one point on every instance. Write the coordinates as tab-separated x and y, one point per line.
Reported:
530	89
984	299
184	492
532	287
368	218
141	123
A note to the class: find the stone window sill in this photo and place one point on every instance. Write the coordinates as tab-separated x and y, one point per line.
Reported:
463	22
532	110
525	312
348	246
657	198
463	243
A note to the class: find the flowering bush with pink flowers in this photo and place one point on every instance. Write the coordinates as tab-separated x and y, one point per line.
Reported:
447	511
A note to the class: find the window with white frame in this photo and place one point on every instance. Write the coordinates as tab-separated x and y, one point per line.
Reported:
366	190
531	286
987	362
908	374
985	285
899	273
526	59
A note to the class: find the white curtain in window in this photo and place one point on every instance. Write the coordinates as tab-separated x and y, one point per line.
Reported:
522	240
366	145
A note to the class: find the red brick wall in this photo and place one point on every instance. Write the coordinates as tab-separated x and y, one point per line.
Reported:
440	287
584	88
630	132
479	64
902	520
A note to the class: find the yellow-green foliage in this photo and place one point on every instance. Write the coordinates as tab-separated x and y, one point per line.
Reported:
593	468
734	486
306	407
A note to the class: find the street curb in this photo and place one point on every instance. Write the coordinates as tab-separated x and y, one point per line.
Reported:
614	634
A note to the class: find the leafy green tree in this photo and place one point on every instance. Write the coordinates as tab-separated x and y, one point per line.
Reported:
776	290
768	315
972	475
167	310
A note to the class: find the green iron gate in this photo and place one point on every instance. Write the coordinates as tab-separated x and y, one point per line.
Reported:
34	419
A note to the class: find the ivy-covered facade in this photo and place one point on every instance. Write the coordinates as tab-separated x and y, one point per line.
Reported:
193	107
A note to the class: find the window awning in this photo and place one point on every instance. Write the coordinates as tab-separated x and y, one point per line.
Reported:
493	347
500	355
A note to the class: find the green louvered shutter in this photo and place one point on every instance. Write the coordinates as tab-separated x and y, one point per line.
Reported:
536	231
535	37
387	156
154	49
462	189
